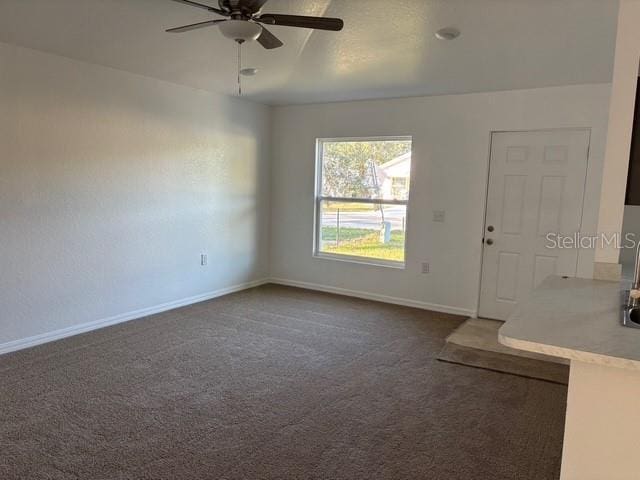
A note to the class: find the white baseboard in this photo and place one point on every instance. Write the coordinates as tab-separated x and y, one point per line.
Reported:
376	296
124	317
136	314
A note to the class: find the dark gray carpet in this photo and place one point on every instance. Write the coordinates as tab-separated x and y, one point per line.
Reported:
272	383
502	362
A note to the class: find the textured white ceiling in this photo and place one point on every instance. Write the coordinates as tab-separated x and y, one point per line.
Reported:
387	48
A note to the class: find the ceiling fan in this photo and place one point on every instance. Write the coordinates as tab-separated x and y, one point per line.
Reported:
244	21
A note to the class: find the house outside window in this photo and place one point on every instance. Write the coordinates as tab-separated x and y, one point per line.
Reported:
362	194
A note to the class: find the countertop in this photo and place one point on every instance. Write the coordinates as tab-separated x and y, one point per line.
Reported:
574	318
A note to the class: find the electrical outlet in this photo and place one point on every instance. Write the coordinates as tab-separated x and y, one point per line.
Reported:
425	267
438	215
203	259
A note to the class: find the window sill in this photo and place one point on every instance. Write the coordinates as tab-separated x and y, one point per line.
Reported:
376	262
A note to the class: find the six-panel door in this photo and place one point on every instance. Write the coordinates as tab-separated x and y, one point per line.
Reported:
535	197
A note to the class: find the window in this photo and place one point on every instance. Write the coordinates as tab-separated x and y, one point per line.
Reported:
362	192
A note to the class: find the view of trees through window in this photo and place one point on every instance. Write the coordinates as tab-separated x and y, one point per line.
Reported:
363	195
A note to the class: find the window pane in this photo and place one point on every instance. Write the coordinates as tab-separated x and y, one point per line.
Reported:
366	169
363	230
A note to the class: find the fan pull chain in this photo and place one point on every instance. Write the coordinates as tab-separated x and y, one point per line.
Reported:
239	68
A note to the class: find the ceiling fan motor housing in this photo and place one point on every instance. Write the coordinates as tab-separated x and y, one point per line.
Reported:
238	9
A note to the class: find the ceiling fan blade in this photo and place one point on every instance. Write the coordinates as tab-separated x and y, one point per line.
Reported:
204	7
194	26
268	40
319	23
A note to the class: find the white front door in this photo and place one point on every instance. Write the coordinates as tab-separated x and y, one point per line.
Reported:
536	187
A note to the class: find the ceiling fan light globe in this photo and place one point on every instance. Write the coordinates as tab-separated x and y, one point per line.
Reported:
242	30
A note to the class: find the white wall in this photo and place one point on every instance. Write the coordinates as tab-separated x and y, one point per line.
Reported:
623	94
111	186
450	160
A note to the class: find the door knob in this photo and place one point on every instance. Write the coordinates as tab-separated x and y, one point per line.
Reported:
489	241
490	228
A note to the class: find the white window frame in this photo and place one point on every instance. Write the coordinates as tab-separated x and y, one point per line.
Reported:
319	198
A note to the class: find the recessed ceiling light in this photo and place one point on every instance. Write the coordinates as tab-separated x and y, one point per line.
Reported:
249	71
448	33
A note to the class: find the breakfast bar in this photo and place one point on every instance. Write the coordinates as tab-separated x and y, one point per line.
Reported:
580	320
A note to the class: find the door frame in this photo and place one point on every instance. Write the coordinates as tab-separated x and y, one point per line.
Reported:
486	193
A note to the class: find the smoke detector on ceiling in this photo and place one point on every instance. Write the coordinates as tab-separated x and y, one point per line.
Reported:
448	33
